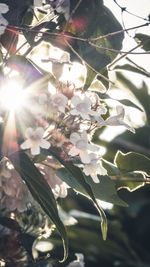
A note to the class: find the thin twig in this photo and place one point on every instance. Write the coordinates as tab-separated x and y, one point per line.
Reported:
72	13
76	37
118	51
76	53
138	67
120	31
131	146
124	9
124	55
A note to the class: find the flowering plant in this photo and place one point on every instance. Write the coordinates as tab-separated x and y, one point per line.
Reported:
49	126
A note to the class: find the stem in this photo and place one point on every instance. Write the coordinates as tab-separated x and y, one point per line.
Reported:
76	53
117	51
124	9
76	37
124	55
138	67
131	146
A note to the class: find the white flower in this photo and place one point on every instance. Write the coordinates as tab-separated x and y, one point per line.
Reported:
62	6
58	102
60	190
115	120
58	187
101	111
82	107
37	3
118	119
58	64
3	22
41	246
79	262
81	146
35	140
3	8
94	168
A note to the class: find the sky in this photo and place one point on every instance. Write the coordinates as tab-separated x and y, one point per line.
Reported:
140	8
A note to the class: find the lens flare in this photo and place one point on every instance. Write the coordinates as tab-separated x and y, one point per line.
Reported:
12	95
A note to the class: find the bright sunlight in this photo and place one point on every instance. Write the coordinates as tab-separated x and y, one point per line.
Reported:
12	95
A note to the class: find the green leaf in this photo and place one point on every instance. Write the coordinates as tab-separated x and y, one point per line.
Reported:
79	178
104	22
129	180
144	40
104	190
129	103
112	170
40	191
132	68
10	223
104	72
16	7
39	158
132	162
90	76
140	93
85	27
124	102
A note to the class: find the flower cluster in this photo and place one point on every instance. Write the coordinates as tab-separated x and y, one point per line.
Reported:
3	22
48	170
14	194
72	118
60	6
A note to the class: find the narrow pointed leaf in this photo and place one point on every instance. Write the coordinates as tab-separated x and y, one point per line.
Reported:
104	190
132	68
75	172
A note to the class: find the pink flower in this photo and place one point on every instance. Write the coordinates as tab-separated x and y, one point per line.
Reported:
35	140
94	167
81	146
82	107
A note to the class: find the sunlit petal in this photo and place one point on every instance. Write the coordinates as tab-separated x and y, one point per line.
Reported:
35	150
39	131
74	137
26	144
44	144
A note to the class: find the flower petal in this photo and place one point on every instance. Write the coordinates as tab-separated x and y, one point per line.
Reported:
29	132
40	132
75	100
74	112
120	112
4	8
26	144
74	151
95	178
35	150
74	138
44	144
85	158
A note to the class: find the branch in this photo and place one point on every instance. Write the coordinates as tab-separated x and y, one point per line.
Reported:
82	60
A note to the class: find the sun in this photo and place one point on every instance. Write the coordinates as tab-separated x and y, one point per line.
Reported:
12	95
